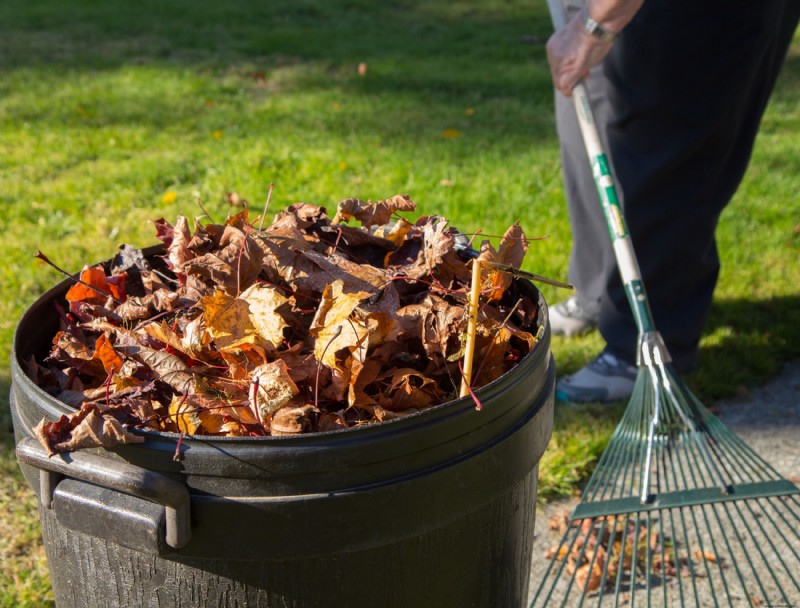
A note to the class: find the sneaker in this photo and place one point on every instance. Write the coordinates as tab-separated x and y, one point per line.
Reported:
568	318
606	378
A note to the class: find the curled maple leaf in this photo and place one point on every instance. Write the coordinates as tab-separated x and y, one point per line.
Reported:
87	428
372	214
511	252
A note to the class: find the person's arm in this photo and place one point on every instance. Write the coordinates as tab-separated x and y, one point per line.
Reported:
573	51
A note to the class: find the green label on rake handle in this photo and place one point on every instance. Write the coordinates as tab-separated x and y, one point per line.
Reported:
685	498
608	197
623	249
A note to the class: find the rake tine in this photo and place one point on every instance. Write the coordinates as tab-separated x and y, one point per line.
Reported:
626	524
769	538
563	563
663	546
727	510
688	544
699	534
675	558
689	562
635	558
793	527
609	556
689	423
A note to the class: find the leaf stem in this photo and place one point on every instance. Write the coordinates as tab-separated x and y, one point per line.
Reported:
266	206
44	258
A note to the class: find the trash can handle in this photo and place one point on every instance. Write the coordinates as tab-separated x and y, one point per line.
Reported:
121	476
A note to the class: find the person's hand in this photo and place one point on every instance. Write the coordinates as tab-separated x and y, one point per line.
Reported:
572	52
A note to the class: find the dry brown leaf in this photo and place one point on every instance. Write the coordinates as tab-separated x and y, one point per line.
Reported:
372	214
510	253
165	366
396	232
589	578
136	308
234	266
178	252
705	555
164	333
70	349
409	389
293	420
558	521
331	268
86	428
330	422
196	339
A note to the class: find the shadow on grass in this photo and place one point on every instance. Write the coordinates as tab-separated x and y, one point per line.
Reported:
432	55
751	340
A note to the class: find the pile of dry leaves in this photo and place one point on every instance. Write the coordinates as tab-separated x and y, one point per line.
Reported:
606	548
306	325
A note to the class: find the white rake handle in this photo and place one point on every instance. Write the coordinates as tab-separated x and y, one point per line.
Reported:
652	349
601	170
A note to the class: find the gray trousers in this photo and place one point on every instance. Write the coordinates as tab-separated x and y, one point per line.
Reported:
678	103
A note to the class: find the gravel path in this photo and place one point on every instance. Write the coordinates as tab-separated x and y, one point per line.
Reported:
768	420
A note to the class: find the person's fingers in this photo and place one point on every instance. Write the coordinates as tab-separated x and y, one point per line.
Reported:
571	53
566	84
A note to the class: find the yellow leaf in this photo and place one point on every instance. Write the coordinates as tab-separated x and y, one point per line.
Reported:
184	414
395	232
217	134
705	555
334	329
263	302
451	133
227	319
169	198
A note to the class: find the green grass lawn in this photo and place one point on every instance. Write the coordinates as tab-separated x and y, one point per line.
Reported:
113	114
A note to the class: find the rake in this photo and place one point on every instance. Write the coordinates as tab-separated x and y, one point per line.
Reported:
679	510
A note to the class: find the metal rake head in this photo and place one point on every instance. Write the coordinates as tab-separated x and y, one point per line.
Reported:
678	510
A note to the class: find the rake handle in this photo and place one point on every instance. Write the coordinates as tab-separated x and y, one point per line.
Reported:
601	171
